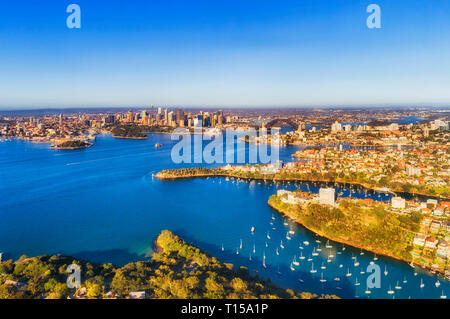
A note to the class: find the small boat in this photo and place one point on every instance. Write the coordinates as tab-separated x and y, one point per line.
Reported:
281	245
313	271
357	283
285	223
267	245
264	261
415	273
306	243
437	284
158	145
385	271
322	280
328	244
318	241
375	257
348	274
291	232
314	253
405	281
223	248
362	272
295	262
341	265
253	230
356	264
237	251
292	267
277	252
240	244
301	247
278	271
443	296
301	256
254	249
421	283
301	280
361	253
397	286
288	237
319	249
390	291
367	292
250	257
323	266
337	279
268	236
310	259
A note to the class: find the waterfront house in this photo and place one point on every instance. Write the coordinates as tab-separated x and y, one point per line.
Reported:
443	249
398	202
419	240
431	243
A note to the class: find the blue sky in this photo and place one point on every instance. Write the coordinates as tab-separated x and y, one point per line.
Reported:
224	53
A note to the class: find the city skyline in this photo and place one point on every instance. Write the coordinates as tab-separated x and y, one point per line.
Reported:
251	54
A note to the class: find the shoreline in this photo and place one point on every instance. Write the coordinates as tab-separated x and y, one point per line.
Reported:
162	177
131	138
345	242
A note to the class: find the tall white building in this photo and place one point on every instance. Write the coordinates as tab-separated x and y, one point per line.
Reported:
336	127
327	196
398	202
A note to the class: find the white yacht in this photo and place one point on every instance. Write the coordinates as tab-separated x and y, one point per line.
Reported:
295	262
313	271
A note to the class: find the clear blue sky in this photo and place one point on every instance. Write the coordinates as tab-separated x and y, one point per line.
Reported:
224	53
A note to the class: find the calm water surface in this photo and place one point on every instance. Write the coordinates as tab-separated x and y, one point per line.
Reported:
103	204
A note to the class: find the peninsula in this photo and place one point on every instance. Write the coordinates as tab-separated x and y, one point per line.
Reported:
176	270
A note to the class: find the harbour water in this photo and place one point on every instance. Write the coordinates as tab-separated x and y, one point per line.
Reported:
103	204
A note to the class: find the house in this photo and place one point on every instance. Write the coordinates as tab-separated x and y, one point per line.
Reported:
432	202
443	249
427	221
431	243
282	192
419	240
438	212
435	227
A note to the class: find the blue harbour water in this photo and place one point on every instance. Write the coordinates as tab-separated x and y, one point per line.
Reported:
103	204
